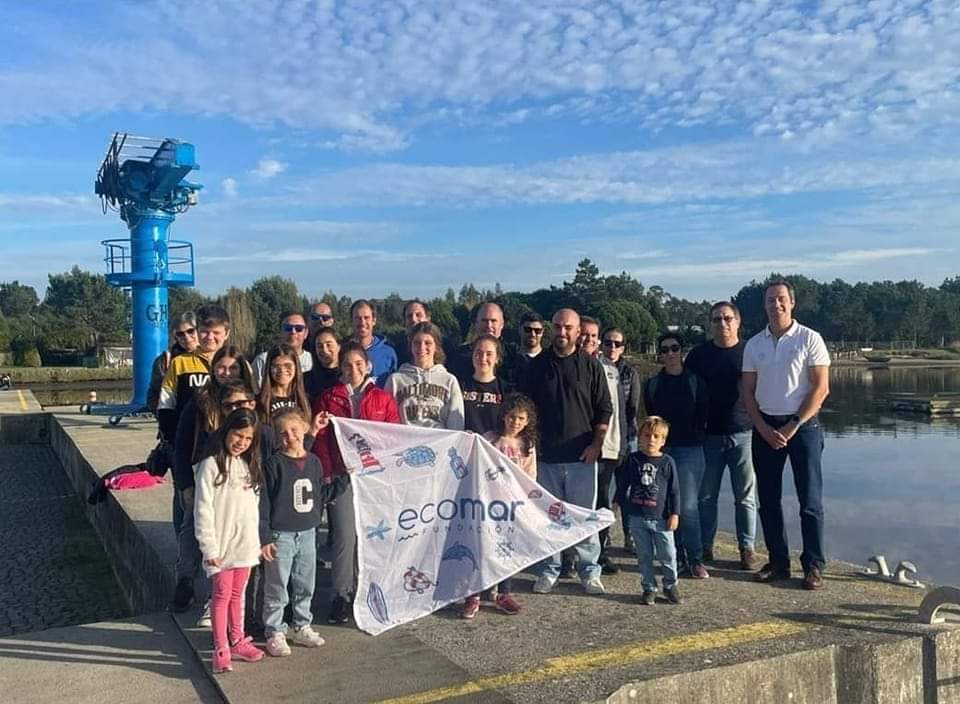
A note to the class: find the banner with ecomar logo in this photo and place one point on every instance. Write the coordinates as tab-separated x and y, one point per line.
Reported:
441	515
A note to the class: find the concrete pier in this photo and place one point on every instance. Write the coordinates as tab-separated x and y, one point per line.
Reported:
857	640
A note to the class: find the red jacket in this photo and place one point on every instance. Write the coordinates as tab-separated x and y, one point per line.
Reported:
375	404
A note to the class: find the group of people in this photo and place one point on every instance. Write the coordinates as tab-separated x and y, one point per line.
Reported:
256	461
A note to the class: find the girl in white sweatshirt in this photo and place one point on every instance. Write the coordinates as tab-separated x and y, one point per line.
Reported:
427	394
226	520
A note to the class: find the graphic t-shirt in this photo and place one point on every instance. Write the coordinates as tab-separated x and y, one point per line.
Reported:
481	404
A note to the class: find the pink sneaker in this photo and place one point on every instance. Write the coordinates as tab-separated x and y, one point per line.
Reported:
221	661
508	604
245	650
471	606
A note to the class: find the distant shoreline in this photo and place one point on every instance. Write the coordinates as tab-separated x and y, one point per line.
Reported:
896	362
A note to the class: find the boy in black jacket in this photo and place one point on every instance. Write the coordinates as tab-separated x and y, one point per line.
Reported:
650	498
290	505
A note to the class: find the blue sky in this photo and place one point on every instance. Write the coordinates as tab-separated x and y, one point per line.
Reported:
369	147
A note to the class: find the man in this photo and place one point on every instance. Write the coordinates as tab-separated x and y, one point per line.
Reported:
727	444
590	335
414	312
321	316
383	357
630	396
573	404
531	342
293	332
488	321
785	381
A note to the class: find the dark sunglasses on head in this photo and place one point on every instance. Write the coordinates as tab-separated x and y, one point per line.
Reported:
532	331
189	332
321	317
613	343
294	327
670	348
723	318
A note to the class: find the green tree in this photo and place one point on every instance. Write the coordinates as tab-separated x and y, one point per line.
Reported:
87	306
182	299
630	316
243	324
269	298
17	300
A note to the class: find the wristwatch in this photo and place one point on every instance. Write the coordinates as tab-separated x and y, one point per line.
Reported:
796	419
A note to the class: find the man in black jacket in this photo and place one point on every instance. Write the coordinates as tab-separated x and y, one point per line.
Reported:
573	404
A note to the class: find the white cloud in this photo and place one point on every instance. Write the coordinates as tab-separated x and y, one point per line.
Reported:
268	168
230	188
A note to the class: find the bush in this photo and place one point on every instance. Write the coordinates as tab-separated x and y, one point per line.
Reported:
29	358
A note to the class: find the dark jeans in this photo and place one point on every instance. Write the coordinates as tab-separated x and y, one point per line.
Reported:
804	450
605	495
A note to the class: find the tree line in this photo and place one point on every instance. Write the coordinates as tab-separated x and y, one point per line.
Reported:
80	311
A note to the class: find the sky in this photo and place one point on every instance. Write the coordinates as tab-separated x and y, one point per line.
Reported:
371	147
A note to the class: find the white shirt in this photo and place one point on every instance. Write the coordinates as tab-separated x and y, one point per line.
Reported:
260	367
782	367
611	441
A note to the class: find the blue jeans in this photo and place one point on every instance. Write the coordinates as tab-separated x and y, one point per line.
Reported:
575	483
296	564
733	451
689	461
654	541
805	450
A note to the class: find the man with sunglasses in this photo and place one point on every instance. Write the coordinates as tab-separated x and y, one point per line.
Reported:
786	369
727	444
321	316
185	340
531	342
293	332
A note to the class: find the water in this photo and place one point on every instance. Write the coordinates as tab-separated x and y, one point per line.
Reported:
891	482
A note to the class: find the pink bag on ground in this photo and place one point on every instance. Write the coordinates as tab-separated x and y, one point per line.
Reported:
133	480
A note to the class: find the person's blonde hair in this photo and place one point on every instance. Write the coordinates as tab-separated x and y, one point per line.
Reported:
655	423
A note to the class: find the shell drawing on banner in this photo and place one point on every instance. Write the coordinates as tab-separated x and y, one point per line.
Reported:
377	604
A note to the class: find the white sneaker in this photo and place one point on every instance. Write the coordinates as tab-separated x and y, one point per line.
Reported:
277	645
543	585
306	637
593	585
205	621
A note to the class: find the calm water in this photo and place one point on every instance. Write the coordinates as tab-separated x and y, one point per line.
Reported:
891	482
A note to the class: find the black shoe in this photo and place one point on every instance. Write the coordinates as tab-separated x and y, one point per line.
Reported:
708	554
648	598
673	595
182	595
772	573
340	611
608	566
568	571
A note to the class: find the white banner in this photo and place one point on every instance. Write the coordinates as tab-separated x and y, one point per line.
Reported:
442	514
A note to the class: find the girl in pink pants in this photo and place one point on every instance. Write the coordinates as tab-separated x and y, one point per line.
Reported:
226	520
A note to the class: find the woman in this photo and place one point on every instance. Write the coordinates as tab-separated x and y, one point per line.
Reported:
357	396
185	340
427	394
483	392
325	372
680	396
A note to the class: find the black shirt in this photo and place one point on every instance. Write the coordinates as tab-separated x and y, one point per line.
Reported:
572	397
319	379
650	487
681	400
481	404
720	367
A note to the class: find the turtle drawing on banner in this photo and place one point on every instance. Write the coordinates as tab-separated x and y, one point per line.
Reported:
416	581
457	465
417	456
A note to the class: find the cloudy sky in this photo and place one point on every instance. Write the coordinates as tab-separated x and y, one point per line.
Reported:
379	146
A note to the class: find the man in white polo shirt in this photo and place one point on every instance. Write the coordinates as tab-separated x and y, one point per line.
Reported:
785	381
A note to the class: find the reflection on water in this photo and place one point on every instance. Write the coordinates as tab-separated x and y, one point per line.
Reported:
891	482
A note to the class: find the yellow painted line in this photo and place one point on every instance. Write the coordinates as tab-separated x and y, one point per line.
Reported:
23	400
568	665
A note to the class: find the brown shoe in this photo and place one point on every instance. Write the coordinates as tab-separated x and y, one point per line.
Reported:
772	573
749	560
812	579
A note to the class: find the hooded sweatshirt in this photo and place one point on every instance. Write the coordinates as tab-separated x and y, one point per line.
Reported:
430	398
227	516
383	358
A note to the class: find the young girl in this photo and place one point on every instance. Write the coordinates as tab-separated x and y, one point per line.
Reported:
426	393
356	397
483	392
226	519
282	384
517	440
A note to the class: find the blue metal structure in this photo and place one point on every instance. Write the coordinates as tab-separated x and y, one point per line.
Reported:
144	179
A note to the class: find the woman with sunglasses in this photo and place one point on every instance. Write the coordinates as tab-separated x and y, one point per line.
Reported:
185	340
680	396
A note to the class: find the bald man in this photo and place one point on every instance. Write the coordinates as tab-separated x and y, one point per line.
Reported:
489	320
569	389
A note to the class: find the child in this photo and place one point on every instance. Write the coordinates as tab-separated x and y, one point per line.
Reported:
282	384
651	498
226	521
517	420
290	507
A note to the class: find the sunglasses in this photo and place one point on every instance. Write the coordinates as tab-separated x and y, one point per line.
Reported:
613	343
670	348
532	331
234	405
320	317
723	318
189	332
294	327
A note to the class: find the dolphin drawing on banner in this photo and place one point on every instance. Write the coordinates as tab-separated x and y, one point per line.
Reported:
459	552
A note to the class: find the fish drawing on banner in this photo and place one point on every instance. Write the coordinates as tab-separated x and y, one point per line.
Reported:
377	604
459	552
416	581
457	465
418	456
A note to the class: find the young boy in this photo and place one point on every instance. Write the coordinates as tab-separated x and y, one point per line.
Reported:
651	498
290	505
